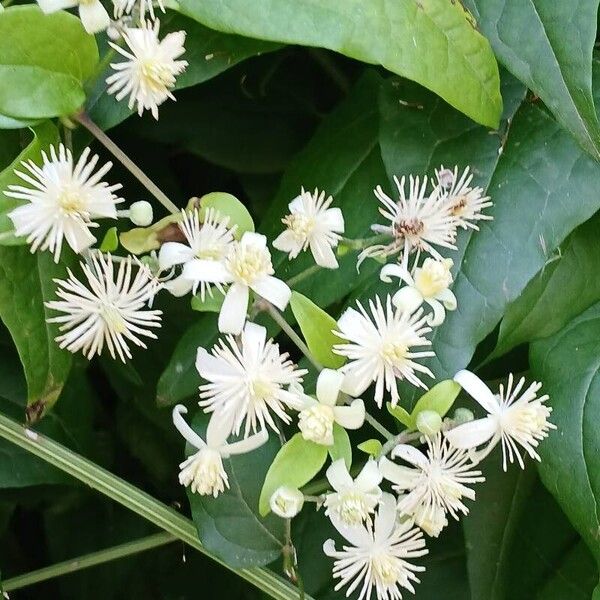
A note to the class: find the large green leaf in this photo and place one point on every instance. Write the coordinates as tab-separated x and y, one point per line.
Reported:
229	525
44	135
25	284
567	363
432	42
548	46
44	60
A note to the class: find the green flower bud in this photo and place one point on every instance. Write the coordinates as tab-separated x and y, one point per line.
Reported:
429	422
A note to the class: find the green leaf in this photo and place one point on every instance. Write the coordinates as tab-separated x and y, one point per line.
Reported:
209	304
44	135
372	447
548	46
228	206
296	463
44	61
342	448
110	241
12	123
567	364
439	398
229	525
25	284
433	43
317	328
141	240
402	415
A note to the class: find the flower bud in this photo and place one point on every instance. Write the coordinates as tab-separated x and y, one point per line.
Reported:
431	519
462	415
141	213
286	502
429	422
316	424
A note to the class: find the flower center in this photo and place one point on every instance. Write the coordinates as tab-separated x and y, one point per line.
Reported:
156	75
248	263
459	205
300	225
433	277
262	389
113	318
316	424
204	472
524	421
393	352
352	507
386	569
70	200
408	227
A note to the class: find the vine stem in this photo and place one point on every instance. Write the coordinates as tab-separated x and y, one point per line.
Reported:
375	424
88	560
136	500
84	119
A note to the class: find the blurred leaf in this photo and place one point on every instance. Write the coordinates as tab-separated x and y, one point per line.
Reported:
11	123
229	525
548	46
317	328
141	240
296	463
342	448
36	83
372	447
401	414
110	242
209	304
439	398
411	39
228	206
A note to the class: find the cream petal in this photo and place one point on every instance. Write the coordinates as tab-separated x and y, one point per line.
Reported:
385	519
410	454
338	476
355	382
400	475
350	417
323	254
439	313
351	320
288	242
407	299
211	271
219	428
250	238
233	310
329	384
334	219
274	290
472	434
93	16
329	548
250	443
174	253
448	299
210	367
50	6
478	390
369	477
178	287
395	270
184	429
355	534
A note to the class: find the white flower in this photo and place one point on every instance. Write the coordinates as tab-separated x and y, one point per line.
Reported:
514	418
107	310
247	266
430	284
203	471
462	201
379	348
377	556
209	240
247	379
431	520
61	201
286	502
148	74
311	223
418	221
437	480
125	7
317	417
354	499
91	12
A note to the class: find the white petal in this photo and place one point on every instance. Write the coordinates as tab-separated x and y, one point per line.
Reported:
472	434
338	476
323	254
329	383
219	428
288	242
93	16
254	239
184	429
233	311
211	271
250	443
334	219
478	390
439	313
448	298
174	253
410	454
210	367
329	547
350	417
407	299
178	287
385	520
50	6
402	476
395	270
355	534
274	290
369	477
355	382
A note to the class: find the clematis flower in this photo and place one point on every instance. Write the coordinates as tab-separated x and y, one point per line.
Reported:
203	471
430	284
248	379
378	347
149	73
62	200
247	266
515	418
317	417
93	15
354	500
125	7
377	557
286	502
311	223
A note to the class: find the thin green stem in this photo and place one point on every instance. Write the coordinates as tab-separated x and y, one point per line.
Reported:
88	560
296	279
378	427
360	243
280	320
134	499
85	120
405	437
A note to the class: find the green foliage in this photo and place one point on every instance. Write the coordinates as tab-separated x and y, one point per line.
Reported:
44	62
342	448
228	206
110	241
371	447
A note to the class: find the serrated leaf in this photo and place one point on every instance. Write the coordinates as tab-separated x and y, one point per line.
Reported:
317	328
413	39
372	447
36	83
439	398
44	135
296	463
548	46
228	205
342	448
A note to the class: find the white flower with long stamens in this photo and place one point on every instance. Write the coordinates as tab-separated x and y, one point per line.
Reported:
378	556
247	266
462	201
431	520
515	418
91	12
248	379
311	223
418	221
317	417
354	500
430	284
110	309
149	73
209	239
203	471
378	347
62	200
436	480
125	7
